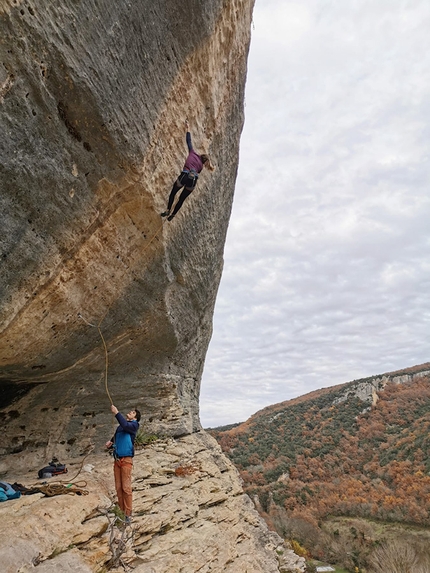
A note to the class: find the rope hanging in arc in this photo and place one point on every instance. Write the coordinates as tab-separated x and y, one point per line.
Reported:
106	364
99	325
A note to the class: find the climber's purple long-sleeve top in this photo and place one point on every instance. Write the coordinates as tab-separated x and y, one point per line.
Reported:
187	179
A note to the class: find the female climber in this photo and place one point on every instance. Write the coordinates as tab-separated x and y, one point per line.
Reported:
188	177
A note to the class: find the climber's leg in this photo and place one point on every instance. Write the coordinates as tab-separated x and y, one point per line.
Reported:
187	191
177	185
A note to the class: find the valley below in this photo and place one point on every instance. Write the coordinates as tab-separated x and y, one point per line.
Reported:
344	472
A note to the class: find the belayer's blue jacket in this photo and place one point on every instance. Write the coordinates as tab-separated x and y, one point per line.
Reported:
124	437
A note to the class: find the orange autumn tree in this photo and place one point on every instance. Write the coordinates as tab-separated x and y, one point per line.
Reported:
330	455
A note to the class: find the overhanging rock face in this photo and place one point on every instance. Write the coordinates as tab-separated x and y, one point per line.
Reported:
93	97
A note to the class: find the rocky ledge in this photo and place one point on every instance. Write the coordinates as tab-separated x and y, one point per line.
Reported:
190	514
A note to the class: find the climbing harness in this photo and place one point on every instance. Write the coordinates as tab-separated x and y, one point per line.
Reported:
192	173
188	178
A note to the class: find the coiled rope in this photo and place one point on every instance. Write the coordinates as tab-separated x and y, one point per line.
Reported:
51	489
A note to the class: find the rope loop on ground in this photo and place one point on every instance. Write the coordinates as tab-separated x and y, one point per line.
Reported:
51	489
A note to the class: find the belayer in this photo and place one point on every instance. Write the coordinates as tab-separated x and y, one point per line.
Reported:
188	177
123	453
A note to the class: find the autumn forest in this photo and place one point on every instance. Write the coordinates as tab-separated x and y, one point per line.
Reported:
331	453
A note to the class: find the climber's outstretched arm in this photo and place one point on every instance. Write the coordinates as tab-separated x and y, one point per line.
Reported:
188	136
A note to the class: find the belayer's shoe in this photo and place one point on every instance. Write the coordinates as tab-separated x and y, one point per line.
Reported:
165	213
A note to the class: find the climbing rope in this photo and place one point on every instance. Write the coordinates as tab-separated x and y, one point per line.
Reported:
98	326
62	487
105	351
106	363
51	489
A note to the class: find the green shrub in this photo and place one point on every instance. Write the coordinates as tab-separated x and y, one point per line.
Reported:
143	438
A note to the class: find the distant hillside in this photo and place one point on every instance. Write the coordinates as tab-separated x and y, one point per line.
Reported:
361	448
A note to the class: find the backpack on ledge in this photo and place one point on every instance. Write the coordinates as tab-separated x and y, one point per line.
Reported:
53	469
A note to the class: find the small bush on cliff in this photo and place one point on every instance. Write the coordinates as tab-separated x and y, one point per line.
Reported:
144	438
298	549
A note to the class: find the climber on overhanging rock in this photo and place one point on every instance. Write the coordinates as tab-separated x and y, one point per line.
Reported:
188	177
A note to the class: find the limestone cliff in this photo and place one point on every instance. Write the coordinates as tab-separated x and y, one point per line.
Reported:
93	97
367	389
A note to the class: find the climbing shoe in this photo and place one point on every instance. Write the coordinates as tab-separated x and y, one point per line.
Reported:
165	213
170	217
127	520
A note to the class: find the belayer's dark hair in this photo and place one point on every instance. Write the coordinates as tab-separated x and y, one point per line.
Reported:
137	414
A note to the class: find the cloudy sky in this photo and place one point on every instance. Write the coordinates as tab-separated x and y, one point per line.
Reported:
327	260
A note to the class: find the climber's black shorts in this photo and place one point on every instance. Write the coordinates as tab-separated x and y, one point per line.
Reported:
188	179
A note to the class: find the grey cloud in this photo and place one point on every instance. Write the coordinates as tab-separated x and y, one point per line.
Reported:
326	274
